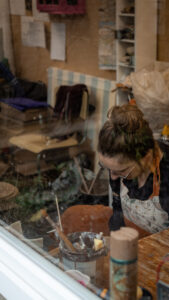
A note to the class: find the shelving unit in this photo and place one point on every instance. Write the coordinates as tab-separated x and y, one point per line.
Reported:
136	30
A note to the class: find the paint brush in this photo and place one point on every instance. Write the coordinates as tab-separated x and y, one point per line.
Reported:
58	211
81	174
54	252
62	236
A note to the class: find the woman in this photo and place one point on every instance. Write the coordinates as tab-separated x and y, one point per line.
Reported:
139	171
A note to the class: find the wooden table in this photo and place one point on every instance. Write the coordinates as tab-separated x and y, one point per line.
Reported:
151	251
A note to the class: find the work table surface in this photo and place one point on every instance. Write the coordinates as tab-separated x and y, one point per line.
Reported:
151	251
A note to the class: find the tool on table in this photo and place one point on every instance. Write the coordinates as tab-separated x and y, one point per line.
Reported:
80	172
60	233
103	293
58	211
87	190
54	252
94	180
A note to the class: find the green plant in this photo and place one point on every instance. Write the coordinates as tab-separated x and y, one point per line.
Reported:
67	185
31	198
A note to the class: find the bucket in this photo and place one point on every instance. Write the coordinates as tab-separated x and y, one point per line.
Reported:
85	259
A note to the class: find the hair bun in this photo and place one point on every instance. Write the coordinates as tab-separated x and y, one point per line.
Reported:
126	117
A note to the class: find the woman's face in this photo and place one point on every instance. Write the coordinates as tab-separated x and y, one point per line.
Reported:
120	167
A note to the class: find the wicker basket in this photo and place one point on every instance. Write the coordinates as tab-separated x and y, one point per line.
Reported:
7	191
7	194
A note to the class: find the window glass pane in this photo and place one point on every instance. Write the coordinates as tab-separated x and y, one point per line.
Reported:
58	192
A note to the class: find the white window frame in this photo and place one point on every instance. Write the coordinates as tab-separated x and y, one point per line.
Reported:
26	274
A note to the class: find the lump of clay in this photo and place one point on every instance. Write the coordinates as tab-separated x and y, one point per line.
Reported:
89	218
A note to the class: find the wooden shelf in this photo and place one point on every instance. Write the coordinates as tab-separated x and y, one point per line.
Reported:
126	66
127	41
126	15
143	43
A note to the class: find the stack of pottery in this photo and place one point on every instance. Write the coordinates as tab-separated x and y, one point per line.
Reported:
7	193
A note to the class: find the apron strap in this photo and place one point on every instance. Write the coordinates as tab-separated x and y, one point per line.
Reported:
156	175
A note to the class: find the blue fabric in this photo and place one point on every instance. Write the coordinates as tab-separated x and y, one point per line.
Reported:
23	104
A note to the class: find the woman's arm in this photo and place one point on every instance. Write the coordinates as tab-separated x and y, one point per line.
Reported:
117	220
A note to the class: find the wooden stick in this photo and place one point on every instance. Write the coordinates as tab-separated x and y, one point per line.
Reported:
54	252
94	180
81	175
60	233
58	211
